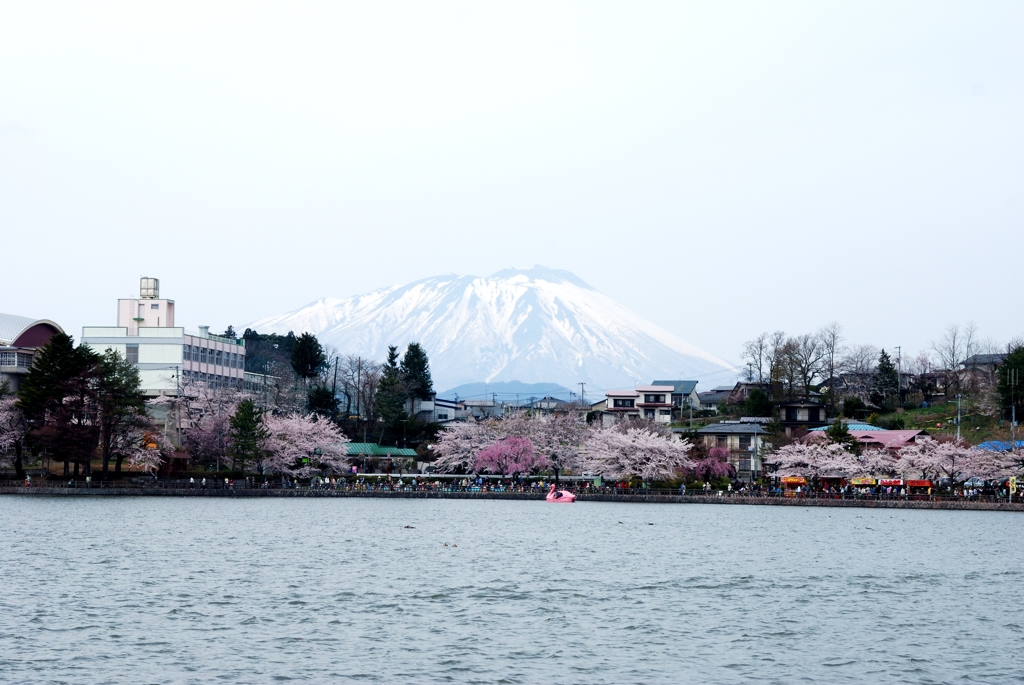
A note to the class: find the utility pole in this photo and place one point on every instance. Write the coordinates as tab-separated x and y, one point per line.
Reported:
582	394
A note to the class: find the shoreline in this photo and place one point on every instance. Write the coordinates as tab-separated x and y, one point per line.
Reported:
965	505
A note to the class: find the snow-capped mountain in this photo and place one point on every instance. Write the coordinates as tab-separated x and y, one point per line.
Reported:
529	325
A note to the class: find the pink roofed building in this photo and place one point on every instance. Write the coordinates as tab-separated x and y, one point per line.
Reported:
875	439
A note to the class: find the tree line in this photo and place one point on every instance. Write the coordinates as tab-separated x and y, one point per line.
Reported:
74	403
857	377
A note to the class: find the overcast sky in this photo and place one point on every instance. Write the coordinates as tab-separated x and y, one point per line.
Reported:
719	168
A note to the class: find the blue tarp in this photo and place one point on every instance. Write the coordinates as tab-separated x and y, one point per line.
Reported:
1000	445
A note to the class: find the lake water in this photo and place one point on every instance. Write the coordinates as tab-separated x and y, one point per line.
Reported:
197	590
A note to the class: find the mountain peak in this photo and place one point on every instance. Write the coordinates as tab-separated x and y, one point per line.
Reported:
542	273
531	325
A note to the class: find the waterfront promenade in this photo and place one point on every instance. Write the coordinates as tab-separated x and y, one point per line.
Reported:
652	496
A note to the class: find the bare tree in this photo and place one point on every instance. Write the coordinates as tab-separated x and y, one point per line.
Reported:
774	352
807	356
859	360
920	365
830	338
358	378
787	369
956	346
756	353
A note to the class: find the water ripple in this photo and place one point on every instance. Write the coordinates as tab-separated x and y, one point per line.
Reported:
314	590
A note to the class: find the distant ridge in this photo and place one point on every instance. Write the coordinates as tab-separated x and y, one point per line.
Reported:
508	390
533	325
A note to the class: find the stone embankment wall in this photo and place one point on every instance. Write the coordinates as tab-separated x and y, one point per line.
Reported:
435	494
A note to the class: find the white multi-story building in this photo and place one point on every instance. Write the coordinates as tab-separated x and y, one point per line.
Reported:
167	357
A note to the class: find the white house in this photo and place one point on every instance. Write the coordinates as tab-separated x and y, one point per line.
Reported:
651	402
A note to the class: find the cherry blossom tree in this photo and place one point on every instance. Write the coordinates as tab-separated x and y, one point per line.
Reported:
139	442
302	446
560	438
815	460
881	463
635	452
1009	463
458	444
143	446
205	413
715	465
12	434
510	456
957	461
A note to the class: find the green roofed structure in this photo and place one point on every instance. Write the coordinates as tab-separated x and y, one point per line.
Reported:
372	449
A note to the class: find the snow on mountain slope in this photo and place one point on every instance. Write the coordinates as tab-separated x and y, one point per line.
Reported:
530	325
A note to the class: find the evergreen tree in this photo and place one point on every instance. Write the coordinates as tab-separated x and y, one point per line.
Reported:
1011	383
308	358
248	435
390	399
415	371
267	353
886	386
122	405
852	406
757	404
839	434
321	400
58	397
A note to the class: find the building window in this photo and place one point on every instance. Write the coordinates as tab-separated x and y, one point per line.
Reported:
622	404
744	442
131	353
665	412
442	417
722	440
154	306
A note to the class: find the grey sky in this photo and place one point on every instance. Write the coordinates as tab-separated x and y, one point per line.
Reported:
775	165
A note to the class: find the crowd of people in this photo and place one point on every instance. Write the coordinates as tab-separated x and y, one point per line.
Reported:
971	491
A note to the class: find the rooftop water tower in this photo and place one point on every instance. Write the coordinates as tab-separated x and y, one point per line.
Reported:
149	288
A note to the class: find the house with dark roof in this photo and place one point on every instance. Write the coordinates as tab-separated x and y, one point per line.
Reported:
980	369
684	396
713	399
801	415
744	442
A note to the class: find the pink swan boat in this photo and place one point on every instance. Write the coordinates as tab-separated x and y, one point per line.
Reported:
560	496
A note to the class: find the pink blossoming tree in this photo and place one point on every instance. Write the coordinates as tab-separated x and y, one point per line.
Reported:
715	465
955	461
459	443
815	460
509	457
303	446
634	452
12	434
204	412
